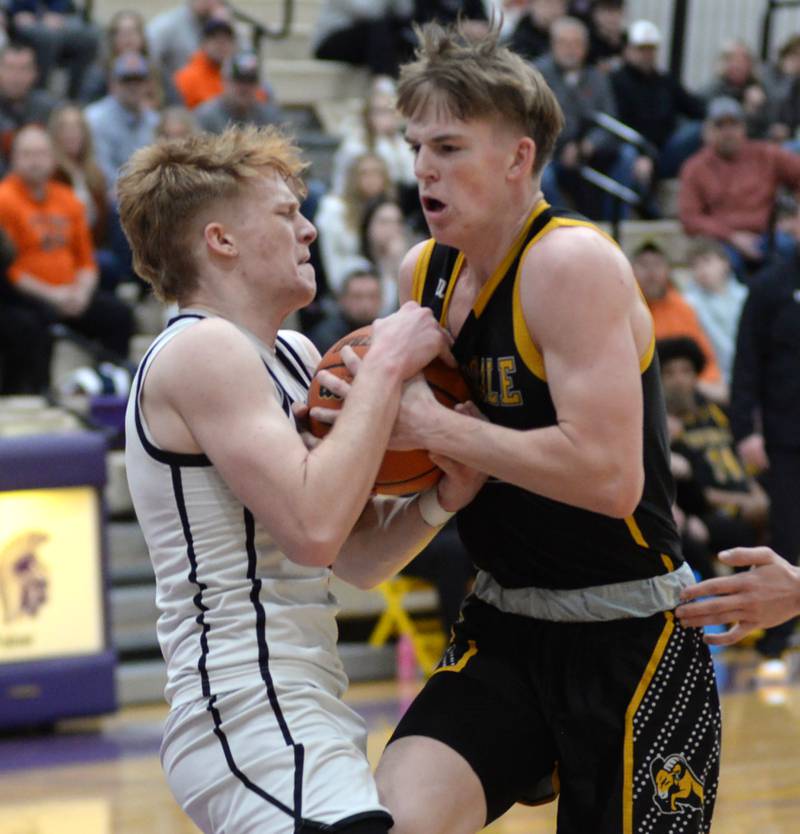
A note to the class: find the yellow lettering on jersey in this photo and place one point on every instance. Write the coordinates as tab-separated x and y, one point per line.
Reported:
507	367
487	387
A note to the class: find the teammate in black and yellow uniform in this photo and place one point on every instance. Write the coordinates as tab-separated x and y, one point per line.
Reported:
568	671
725	507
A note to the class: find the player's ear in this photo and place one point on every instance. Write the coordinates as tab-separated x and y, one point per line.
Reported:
524	158
219	240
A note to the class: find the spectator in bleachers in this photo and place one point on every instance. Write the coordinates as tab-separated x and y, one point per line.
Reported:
176	123
781	82
122	122
60	37
244	99
77	168
53	272
174	35
653	102
531	36
384	242
717	298
365	33
672	315
580	90
471	13
358	303
379	131
125	33
728	188
339	218
25	346
765	405
778	77
723	505
606	34
200	79
737	79
20	102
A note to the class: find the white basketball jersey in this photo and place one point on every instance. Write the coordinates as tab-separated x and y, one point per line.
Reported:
234	610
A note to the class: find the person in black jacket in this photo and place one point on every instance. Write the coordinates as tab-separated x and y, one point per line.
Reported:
652	102
765	405
531	35
359	303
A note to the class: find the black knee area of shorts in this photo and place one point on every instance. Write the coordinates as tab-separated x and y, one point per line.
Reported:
378	823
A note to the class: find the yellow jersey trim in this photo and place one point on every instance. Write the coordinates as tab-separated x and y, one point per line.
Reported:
462	661
497	276
718	414
421	271
633	706
451	285
668	563
646	360
635	531
526	347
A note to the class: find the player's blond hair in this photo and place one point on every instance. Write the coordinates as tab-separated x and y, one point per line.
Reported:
478	79
164	186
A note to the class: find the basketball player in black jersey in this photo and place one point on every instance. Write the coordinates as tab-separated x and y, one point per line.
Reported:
568	672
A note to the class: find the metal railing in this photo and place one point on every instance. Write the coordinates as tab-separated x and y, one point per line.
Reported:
767	19
620	194
260	30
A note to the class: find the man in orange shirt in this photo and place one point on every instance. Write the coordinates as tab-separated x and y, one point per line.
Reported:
673	315
54	272
201	78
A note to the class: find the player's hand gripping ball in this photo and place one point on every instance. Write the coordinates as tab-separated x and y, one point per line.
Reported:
401	473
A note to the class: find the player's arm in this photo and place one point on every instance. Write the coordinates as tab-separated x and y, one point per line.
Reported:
579	299
213	382
764	596
392	531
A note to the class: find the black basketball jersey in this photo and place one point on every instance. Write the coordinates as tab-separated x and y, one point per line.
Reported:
522	538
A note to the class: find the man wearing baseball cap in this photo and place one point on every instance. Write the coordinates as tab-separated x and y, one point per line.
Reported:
728	188
244	99
656	104
201	78
122	122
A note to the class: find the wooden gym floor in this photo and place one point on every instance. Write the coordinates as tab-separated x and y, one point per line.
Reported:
102	776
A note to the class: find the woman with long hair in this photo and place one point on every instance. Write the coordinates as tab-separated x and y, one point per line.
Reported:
76	166
338	218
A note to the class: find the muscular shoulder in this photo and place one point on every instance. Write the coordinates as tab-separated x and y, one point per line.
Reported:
205	354
577	258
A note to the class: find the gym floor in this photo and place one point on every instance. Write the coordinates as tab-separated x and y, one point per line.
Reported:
102	776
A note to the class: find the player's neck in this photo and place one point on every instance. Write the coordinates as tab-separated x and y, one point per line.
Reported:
486	251
254	318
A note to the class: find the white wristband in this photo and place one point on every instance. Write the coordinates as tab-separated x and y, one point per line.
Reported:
432	512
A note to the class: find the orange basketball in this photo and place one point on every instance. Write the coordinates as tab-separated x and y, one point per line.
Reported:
401	473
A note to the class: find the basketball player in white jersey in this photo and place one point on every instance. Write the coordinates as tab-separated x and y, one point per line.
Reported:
243	523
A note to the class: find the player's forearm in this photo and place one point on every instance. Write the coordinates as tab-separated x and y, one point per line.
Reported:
591	473
388	535
354	448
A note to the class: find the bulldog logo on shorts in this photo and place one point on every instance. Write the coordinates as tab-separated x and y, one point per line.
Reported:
676	787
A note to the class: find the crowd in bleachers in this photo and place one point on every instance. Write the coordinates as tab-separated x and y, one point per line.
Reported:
76	100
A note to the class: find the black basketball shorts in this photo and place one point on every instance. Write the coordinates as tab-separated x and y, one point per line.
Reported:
619	719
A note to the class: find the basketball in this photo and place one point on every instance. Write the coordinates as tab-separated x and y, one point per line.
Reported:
401	473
